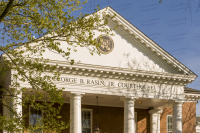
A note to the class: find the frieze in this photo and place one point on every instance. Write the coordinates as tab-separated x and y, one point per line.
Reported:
105	83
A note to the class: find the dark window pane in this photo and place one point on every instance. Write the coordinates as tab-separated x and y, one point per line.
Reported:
86	125
35	118
169	124
86	130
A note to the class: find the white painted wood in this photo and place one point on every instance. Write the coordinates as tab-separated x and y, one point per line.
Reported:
126	54
197	128
87	84
155	121
75	113
18	104
177	117
129	119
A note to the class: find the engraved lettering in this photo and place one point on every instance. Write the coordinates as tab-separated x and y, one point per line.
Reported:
81	81
112	84
67	80
119	85
62	79
102	83
92	82
131	85
88	81
97	82
75	80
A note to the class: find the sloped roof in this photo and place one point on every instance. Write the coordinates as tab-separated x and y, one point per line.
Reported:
191	91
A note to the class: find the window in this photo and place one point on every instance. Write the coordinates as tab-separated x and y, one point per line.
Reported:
86	115
35	118
169	123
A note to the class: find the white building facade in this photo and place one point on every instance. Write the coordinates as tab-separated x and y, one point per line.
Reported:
132	74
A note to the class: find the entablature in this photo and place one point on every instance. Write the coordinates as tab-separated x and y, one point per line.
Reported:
121	73
192	97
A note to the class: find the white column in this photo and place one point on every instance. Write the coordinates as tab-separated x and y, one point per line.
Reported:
129	118
75	113
14	102
177	117
18	104
155	121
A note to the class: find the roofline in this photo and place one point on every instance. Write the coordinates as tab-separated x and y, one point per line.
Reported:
177	61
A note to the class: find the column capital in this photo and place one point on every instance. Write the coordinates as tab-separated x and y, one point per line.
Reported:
155	111
132	98
76	93
72	94
176	102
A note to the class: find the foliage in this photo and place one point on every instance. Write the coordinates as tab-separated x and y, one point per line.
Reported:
52	22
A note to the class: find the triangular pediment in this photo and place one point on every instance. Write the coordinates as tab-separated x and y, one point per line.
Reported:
132	50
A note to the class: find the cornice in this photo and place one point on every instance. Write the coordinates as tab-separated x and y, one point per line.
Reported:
147	42
121	73
191	97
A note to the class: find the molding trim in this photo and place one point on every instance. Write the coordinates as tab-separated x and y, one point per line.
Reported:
150	44
121	73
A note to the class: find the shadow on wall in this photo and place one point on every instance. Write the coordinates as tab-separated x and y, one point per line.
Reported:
188	118
143	121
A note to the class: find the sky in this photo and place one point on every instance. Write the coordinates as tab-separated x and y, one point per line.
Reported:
171	24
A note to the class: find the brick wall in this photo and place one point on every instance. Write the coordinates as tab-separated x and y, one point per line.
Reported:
111	119
143	121
188	118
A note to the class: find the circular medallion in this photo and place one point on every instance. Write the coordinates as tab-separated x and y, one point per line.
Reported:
106	44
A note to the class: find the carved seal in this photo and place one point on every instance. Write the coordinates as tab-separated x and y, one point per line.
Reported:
106	44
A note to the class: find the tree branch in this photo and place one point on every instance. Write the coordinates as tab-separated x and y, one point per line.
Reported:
5	12
21	4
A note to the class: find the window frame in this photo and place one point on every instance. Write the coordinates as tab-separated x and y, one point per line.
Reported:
91	118
168	115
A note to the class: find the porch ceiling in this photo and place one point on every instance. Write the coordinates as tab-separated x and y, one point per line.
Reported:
116	101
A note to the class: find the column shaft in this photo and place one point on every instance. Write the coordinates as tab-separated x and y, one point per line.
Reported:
18	105
129	118
177	118
155	121
75	113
